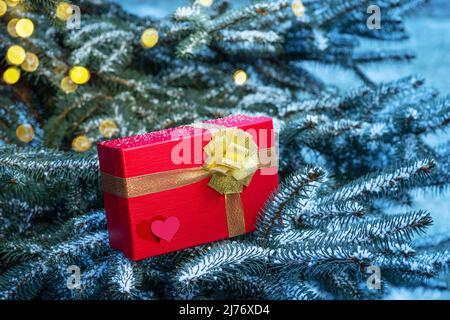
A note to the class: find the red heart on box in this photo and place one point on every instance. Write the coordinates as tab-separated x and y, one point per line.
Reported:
167	229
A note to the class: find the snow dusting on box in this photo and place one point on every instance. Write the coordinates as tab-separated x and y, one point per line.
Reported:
173	133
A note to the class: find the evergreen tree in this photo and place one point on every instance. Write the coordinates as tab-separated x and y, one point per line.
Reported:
346	158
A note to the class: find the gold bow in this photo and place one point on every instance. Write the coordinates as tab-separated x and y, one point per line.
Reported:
232	157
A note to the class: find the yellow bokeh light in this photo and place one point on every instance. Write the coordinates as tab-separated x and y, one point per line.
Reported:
11	27
81	143
67	85
64	11
15	55
3	8
11	75
25	133
12	3
31	62
108	128
24	28
240	77
149	38
298	8
79	75
205	3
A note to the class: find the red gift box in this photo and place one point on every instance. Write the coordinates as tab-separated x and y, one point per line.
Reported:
160	195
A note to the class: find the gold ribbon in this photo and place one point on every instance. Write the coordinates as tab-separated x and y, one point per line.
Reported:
232	159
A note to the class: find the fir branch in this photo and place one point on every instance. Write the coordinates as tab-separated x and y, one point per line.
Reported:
228	258
332	210
297	290
317	261
391	228
294	186
124	280
23	281
374	184
46	163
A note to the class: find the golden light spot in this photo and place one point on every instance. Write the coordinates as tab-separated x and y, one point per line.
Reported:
11	75
24	28
149	38
205	3
3	8
67	85
11	27
298	8
15	55
12	3
81	143
240	77
79	75
25	133
108	128
31	62
64	11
